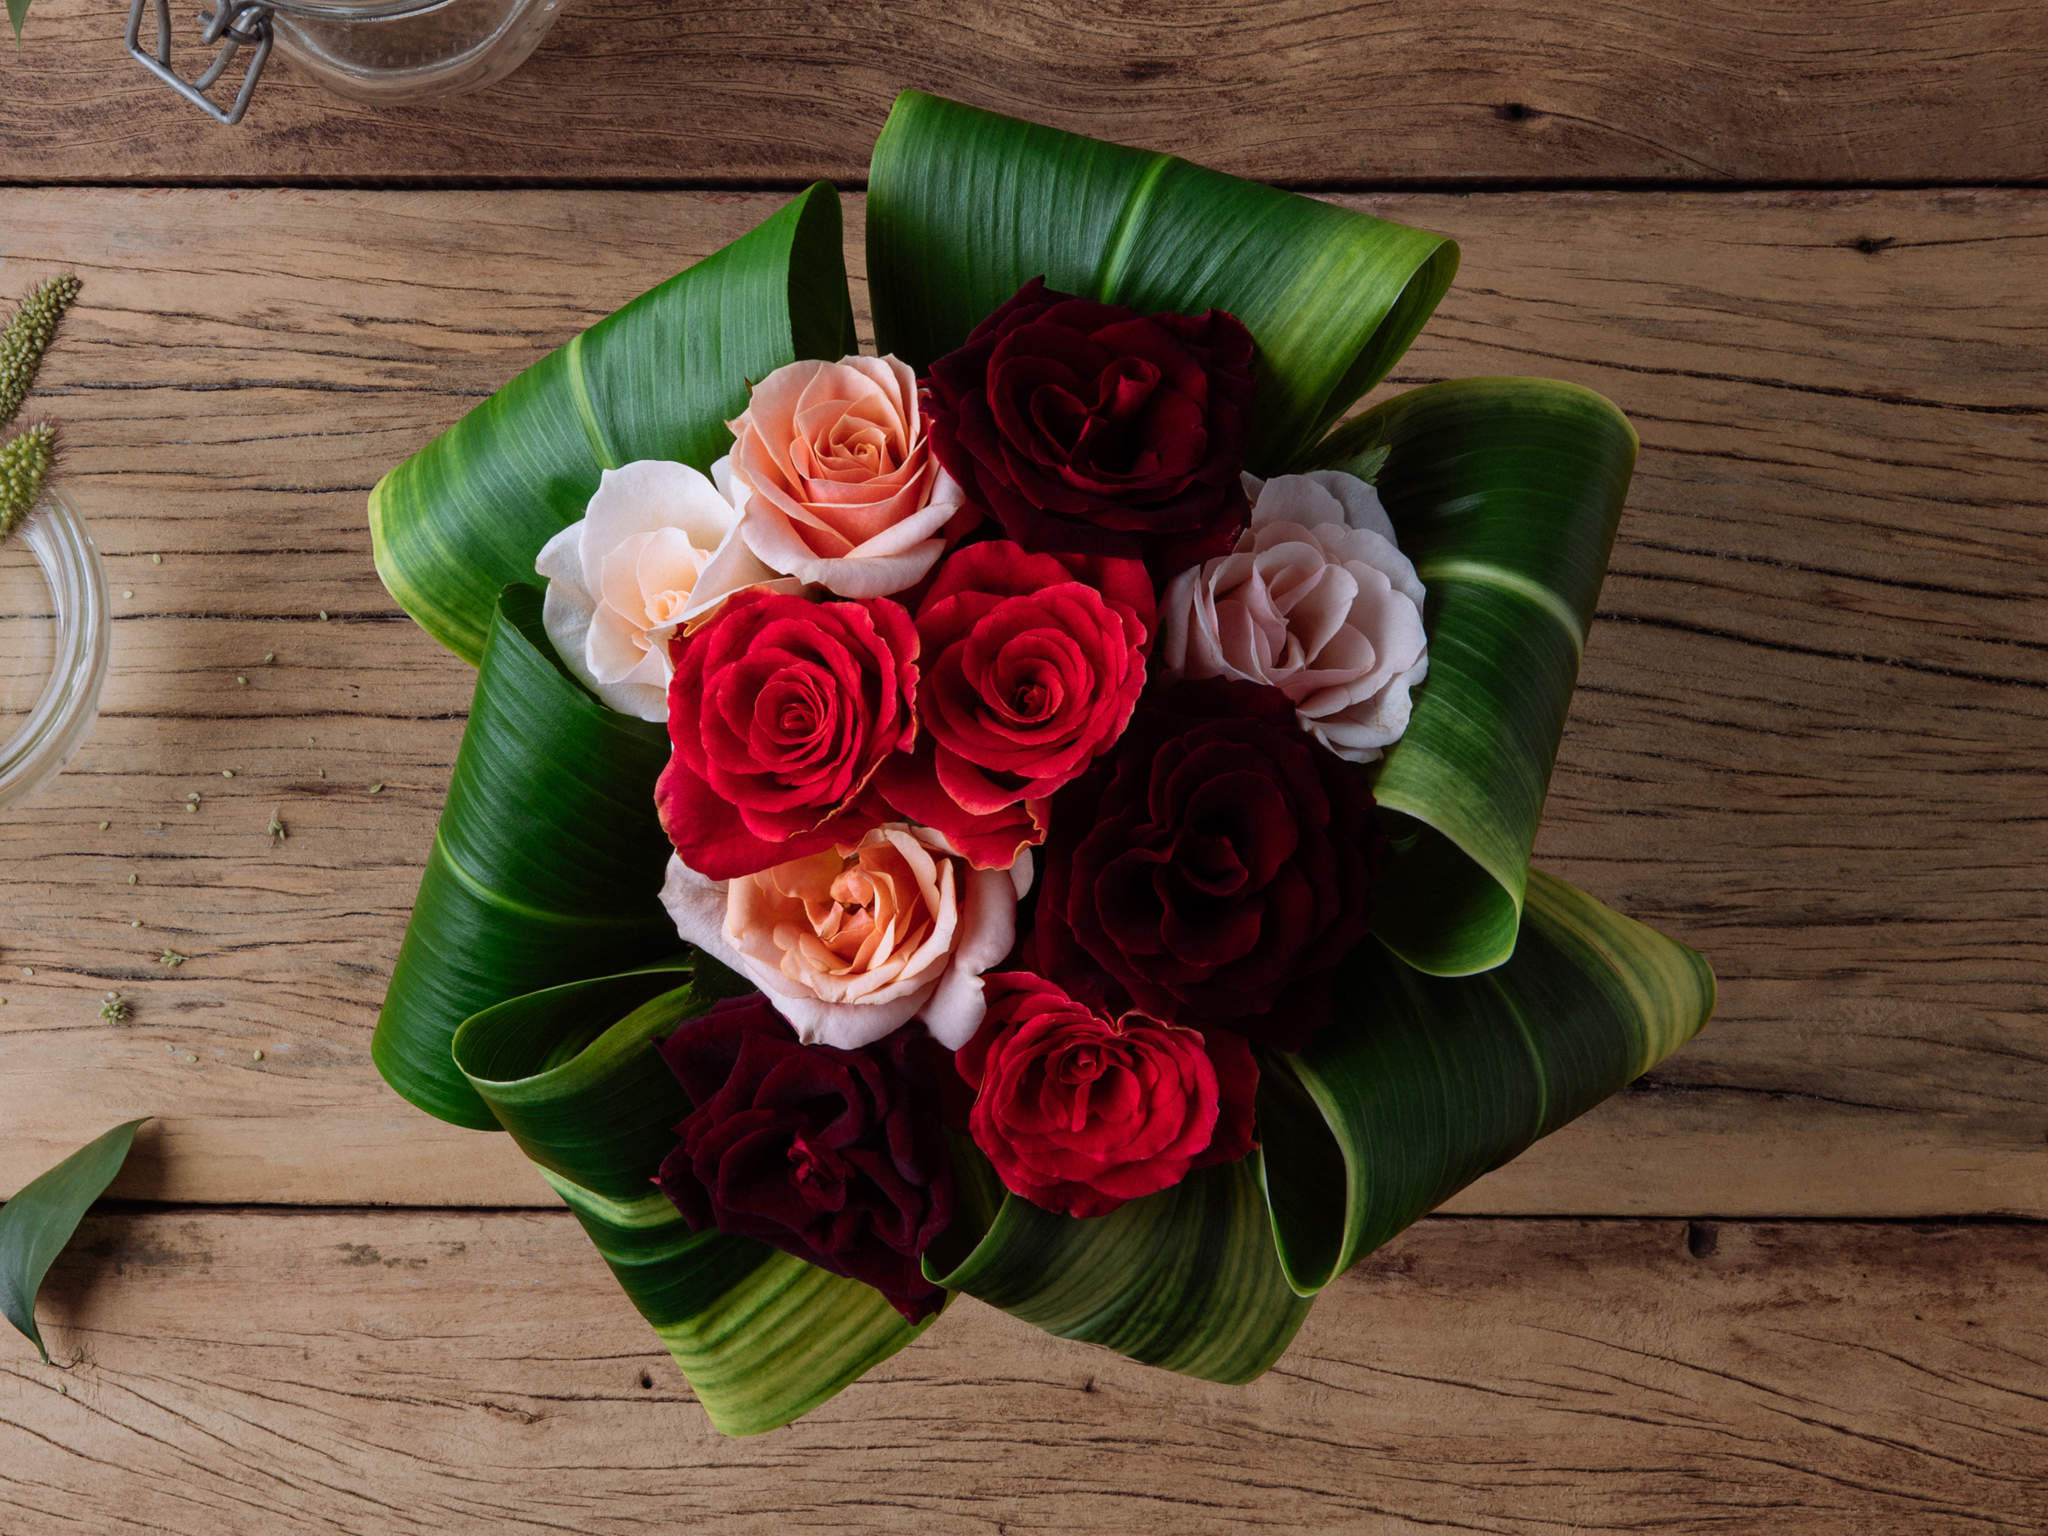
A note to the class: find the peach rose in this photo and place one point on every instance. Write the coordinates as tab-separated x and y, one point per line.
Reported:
853	943
657	547
1317	601
834	479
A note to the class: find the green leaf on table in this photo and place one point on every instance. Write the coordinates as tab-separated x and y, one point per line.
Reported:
1506	493
572	1073
1187	1279
657	380
546	866
17	12
37	1223
1433	1081
965	207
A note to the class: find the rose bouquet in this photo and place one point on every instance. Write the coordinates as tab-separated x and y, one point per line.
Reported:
1042	811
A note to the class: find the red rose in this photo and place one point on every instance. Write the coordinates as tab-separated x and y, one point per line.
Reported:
834	1156
1086	426
1080	1113
779	713
1215	870
1031	667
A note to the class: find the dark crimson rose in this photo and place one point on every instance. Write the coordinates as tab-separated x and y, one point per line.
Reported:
779	713
1031	667
1214	870
1090	427
835	1156
1079	1112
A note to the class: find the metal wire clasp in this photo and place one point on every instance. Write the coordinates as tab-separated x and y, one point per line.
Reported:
234	25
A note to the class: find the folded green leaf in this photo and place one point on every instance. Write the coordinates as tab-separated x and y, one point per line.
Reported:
763	1337
546	867
657	380
1506	493
17	12
1433	1081
1187	1279
965	207
37	1223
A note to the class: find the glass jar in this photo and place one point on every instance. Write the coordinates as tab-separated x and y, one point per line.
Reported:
382	51
55	632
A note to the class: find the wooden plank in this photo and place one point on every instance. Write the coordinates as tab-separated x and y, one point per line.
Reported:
1806	739
374	1372
1839	91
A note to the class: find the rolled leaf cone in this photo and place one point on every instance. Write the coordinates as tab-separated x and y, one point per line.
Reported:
1506	494
546	866
965	207
657	380
762	1337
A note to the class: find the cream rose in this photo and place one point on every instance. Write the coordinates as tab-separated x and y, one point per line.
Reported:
656	547
853	943
1316	600
835	481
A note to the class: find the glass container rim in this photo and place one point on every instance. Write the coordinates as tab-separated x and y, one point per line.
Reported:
353	10
67	705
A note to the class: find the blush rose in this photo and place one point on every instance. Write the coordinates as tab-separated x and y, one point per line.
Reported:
854	942
835	480
656	549
1316	600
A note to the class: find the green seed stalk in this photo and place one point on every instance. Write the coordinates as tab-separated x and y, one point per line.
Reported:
27	338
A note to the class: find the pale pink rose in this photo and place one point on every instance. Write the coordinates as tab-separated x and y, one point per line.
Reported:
834	479
1316	600
853	943
657	547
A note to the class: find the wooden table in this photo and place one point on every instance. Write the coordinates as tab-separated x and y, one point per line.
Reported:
1796	1280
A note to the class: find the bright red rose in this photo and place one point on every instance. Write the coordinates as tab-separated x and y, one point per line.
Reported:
1079	1112
835	1156
1086	426
1216	869
1031	667
779	713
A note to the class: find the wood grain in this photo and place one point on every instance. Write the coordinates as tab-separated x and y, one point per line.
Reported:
1807	737
738	91
382	1372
